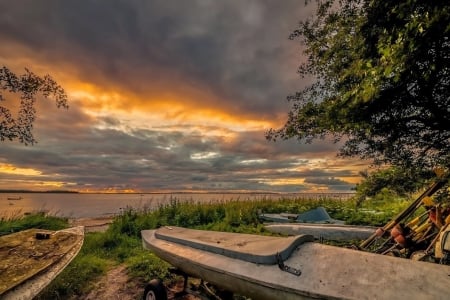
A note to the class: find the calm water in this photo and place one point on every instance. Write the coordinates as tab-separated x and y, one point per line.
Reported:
99	205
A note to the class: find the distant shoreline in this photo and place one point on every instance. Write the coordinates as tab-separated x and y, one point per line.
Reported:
39	192
176	192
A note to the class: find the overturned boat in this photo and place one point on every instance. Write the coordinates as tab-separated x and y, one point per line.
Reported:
316	222
268	267
31	259
316	215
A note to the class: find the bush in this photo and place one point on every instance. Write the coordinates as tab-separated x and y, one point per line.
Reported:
146	265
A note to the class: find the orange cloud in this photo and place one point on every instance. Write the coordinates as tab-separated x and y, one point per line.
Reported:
13	170
151	111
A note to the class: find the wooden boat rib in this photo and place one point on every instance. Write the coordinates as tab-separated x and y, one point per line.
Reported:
327	272
28	264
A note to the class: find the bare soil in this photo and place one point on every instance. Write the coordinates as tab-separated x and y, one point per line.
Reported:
116	284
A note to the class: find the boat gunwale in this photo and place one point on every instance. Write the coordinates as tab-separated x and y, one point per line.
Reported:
319	281
283	251
188	266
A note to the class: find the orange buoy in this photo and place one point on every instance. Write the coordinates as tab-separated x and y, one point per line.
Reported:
401	240
396	231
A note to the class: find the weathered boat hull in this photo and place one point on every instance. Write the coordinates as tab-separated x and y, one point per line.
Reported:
327	272
35	262
334	232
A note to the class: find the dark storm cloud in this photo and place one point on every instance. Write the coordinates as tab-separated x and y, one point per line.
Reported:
238	49
325	181
255	142
149	160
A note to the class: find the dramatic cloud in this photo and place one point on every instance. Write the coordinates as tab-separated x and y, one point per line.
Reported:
164	95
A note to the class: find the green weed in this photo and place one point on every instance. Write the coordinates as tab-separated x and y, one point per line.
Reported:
38	220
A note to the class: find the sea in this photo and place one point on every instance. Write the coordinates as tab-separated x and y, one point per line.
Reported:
87	205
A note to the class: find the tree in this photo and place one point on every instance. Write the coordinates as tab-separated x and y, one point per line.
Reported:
393	180
382	85
28	86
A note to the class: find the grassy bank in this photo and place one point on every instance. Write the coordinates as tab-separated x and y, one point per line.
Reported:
121	243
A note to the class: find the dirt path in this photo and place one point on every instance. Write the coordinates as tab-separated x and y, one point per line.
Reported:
116	285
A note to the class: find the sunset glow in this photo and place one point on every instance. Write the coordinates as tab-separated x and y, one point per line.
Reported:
10	169
158	106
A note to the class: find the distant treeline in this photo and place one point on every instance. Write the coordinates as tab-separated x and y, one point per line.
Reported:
28	191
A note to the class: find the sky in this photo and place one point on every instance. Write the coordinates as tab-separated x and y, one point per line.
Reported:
164	96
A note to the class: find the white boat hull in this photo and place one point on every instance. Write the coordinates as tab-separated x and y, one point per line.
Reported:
327	272
326	231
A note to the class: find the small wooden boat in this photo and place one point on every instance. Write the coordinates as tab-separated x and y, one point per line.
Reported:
31	259
267	267
15	198
335	232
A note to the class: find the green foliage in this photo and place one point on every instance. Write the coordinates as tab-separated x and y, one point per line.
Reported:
390	183
186	214
112	245
27	86
100	251
243	216
147	266
382	80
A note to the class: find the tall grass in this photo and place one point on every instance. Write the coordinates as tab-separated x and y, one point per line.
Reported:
121	243
38	220
243	216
